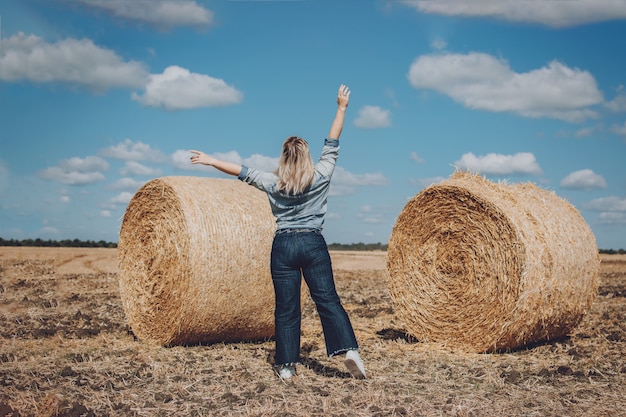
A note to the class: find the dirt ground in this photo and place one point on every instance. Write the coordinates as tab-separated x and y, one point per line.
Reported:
65	350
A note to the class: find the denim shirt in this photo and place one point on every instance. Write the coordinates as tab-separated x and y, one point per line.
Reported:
302	211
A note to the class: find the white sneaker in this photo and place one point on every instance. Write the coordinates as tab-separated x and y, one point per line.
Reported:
354	364
286	371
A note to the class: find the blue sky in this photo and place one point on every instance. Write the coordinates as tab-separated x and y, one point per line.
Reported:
99	96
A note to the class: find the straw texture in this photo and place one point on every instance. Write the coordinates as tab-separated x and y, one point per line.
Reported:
194	261
479	266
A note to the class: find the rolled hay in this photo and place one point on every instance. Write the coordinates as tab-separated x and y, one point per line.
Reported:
481	267
194	262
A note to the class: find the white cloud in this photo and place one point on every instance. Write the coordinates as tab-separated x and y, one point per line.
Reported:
77	171
612	218
373	117
415	157
232	156
585	132
618	104
481	81
163	13
619	130
612	209
368	215
345	182
65	199
499	164
126	183
122	198
178	88
550	13
135	168
585	179
73	61
263	163
607	204
133	151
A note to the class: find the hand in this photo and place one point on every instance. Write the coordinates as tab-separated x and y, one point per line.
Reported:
343	96
199	158
229	168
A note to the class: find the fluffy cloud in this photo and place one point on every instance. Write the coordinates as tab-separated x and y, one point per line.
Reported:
369	216
417	158
261	162
162	13
133	151
612	209
618	104
607	204
499	164
178	88
619	129
373	117
122	198
611	217
345	182
585	179
77	171
135	168
127	184
550	13
481	81
73	61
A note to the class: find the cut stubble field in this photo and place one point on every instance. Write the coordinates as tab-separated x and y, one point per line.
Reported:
65	350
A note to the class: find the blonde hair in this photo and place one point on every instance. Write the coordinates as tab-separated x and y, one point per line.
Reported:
295	166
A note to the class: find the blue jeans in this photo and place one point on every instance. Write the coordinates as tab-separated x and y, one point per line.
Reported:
296	254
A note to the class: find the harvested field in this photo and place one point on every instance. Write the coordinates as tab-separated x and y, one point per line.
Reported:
65	350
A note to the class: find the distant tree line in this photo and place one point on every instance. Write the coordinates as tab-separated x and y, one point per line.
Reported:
77	243
613	251
358	246
67	243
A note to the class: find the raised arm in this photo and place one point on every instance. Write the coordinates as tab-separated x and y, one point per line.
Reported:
229	168
343	98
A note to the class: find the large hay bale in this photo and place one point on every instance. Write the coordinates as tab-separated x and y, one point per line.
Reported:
482	267
194	261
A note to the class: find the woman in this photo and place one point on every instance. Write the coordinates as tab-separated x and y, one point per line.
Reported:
297	192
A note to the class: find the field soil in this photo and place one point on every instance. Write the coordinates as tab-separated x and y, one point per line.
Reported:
65	350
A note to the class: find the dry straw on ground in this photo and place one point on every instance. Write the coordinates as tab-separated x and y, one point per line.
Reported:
194	261
480	266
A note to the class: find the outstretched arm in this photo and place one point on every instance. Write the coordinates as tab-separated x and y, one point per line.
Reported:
343	98
226	167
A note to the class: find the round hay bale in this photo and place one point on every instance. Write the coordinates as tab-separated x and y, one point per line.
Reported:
194	261
481	267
